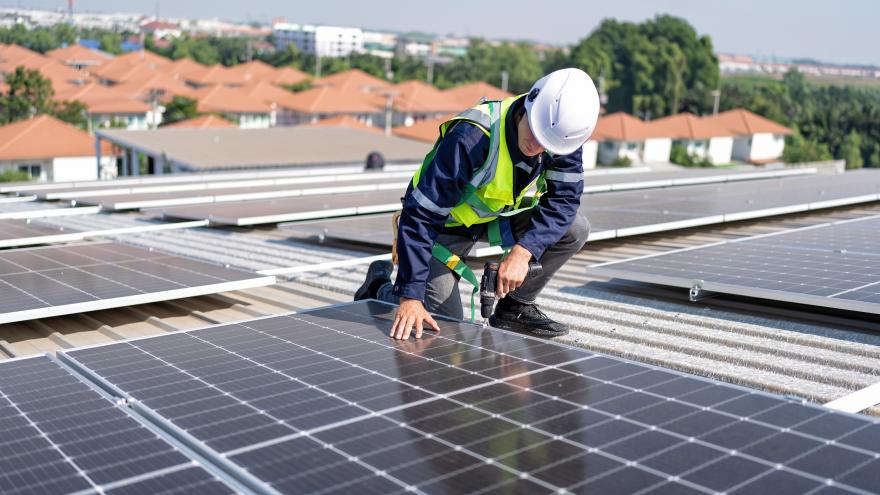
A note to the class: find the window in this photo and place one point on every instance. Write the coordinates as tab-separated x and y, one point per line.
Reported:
34	171
632	145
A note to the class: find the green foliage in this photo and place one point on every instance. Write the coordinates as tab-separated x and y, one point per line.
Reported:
801	150
300	86
485	62
621	161
833	121
851	150
179	108
29	94
41	39
679	155
653	69
14	176
873	156
73	112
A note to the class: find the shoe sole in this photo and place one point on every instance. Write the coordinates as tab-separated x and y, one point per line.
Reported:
524	329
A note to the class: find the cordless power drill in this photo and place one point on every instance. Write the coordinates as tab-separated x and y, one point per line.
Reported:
489	283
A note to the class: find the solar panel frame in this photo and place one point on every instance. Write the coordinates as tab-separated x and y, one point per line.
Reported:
747	267
616	413
52	281
76	439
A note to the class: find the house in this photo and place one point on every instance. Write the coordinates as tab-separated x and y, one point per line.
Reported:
208	121
414	101
349	122
48	149
276	97
322	102
701	138
351	80
626	138
79	57
159	87
756	140
288	76
133	65
236	105
426	130
468	95
108	107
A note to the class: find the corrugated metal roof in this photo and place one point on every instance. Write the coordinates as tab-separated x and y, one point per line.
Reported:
785	349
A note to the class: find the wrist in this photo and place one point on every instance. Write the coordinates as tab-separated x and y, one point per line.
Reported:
520	253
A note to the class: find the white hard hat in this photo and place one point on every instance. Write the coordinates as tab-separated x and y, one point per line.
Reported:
563	108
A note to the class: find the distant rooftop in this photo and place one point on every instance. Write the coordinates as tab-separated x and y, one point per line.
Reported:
204	149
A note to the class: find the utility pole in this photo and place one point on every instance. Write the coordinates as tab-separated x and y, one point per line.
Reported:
430	70
717	95
504	77
317	63
389	106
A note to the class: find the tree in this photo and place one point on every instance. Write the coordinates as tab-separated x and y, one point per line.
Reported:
851	151
29	94
801	150
179	108
73	112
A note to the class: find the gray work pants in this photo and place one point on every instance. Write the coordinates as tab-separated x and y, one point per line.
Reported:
442	295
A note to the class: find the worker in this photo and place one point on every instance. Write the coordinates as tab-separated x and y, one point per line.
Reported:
509	171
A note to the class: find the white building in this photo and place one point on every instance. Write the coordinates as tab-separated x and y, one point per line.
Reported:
702	138
324	41
47	149
624	137
757	140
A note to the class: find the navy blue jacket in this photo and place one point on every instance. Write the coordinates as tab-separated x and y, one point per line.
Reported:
463	150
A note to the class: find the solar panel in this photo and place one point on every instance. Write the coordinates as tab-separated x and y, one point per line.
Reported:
629	213
13	229
831	265
324	401
286	189
61	436
288	209
52	281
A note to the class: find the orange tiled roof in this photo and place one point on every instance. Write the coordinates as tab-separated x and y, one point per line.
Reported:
100	99
140	64
217	74
352	79
621	126
185	68
163	83
252	71
15	53
60	74
688	126
288	76
424	130
349	122
743	122
45	137
468	95
417	96
329	99
76	53
223	99
269	93
209	121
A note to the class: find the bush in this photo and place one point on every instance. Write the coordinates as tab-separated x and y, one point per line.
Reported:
679	155
621	161
14	176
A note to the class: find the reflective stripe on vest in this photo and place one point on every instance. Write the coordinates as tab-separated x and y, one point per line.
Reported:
489	192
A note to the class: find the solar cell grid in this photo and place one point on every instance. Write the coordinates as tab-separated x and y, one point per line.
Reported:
834	265
60	436
323	400
60	280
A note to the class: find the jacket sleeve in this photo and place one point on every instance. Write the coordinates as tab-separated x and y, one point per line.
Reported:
426	207
557	207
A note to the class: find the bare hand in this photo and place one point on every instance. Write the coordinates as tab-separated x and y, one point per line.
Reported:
411	313
513	270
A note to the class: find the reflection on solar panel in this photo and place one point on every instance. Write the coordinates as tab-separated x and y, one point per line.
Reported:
60	436
52	281
290	209
50	235
324	400
11	230
639	212
831	265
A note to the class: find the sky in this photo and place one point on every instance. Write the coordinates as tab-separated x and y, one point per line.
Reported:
845	31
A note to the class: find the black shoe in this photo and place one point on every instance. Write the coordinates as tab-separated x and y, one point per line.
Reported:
378	274
525	318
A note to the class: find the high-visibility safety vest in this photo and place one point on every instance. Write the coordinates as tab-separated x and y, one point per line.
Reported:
489	194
